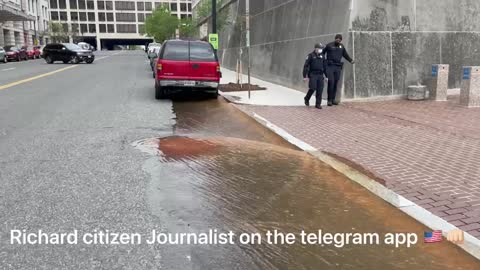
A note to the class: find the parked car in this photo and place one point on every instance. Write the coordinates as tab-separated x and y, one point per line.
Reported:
152	46
16	53
32	51
67	53
3	55
153	58
187	65
86	46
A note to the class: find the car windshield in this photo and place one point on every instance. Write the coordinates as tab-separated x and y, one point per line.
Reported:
10	48
72	47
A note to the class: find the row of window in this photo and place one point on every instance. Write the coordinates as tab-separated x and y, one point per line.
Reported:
119	5
102	28
102	17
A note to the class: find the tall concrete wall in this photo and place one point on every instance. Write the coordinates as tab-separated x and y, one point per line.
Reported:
394	41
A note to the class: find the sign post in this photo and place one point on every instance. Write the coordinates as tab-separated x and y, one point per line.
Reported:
247	9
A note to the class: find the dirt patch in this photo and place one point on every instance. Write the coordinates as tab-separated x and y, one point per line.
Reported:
235	87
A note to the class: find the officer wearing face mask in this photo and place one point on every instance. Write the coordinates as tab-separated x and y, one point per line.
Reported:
314	71
334	53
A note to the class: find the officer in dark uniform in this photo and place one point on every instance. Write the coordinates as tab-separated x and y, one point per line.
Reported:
314	70
334	52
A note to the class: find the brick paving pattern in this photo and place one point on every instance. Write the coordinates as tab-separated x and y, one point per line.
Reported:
426	151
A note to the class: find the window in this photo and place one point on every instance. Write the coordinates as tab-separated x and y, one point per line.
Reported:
140	6
148	6
110	28
92	28
183	7
91	16
53	4
81	4
62	4
101	5
83	16
201	52
176	50
90	5
189	7
54	15
108	5
63	16
125	17
83	28
141	17
101	17
123	5
75	28
102	28
173	7
126	28
110	17
73	4
65	27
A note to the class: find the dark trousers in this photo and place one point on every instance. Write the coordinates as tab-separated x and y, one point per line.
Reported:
315	84
333	74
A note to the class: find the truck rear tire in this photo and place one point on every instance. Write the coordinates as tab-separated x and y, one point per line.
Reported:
159	92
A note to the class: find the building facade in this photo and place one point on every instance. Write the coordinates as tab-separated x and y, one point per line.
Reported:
100	21
23	22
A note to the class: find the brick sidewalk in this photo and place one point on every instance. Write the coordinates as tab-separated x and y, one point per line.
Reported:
428	152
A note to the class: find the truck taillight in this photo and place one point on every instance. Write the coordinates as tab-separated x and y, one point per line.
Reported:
218	68
159	66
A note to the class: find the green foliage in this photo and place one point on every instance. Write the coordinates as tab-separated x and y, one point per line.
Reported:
205	9
161	25
188	28
57	32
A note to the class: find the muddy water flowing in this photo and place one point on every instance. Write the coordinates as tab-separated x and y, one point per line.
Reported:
230	174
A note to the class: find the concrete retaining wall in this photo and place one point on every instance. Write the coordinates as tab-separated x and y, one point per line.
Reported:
394	41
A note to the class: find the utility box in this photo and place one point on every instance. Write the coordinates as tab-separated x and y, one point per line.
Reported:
470	92
439	85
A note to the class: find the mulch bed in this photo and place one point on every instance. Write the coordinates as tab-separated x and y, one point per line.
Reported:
235	87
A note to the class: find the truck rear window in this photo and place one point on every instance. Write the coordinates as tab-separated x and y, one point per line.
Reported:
201	52
176	50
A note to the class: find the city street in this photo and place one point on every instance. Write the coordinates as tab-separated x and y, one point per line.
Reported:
87	147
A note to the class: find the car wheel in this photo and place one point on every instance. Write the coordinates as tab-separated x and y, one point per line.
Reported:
5	59
213	95
89	61
159	92
49	60
75	60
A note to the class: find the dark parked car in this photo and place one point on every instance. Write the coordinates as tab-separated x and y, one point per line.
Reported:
187	66
67	53
15	53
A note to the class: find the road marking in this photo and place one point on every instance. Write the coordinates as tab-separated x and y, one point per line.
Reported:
8	69
5	86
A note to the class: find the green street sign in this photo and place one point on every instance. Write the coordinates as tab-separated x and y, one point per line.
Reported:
213	39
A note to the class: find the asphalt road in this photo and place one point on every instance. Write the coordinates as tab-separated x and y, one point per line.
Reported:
67	164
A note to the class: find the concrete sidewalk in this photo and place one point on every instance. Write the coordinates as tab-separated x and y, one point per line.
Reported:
427	152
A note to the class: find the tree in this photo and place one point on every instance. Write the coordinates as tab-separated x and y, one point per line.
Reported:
205	10
161	25
187	28
57	32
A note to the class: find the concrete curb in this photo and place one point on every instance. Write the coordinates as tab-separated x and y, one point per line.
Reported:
471	245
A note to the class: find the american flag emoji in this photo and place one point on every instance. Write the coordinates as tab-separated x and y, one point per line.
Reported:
433	237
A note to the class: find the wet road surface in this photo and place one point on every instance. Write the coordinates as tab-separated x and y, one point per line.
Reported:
67	163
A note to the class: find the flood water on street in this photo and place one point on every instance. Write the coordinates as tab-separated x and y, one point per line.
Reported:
223	171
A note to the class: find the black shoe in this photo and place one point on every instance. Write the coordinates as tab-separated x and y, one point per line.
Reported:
335	103
330	103
318	107
307	102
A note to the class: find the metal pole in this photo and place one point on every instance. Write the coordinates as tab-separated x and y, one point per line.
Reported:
214	16
247	10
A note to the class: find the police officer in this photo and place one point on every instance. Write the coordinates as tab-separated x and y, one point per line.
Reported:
334	52
314	70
